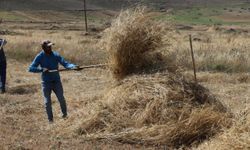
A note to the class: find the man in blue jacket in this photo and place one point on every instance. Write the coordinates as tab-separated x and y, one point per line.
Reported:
45	61
3	66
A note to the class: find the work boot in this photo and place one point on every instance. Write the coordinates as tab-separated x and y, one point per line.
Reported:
64	116
51	121
3	91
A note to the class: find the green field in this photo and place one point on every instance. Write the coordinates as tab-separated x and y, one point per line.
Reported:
11	16
209	15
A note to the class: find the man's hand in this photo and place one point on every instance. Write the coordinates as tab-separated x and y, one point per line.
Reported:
77	68
45	70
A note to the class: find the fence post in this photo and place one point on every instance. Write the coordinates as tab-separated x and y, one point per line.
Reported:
85	14
193	60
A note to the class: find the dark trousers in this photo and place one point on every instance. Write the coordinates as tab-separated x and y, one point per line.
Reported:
3	67
57	88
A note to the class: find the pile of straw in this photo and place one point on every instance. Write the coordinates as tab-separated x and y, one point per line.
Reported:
156	109
132	41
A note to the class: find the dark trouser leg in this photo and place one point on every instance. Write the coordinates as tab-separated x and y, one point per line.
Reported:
47	89
58	89
3	66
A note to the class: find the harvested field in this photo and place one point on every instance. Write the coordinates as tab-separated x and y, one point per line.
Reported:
151	104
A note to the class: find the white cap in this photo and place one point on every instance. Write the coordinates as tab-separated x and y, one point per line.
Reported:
47	43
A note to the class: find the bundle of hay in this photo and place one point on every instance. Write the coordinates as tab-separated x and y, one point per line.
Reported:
131	40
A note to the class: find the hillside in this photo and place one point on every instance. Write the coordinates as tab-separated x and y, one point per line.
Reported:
40	4
112	4
181	11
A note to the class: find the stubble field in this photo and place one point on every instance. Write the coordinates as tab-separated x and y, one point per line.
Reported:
222	59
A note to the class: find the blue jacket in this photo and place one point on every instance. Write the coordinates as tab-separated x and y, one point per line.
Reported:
2	55
50	62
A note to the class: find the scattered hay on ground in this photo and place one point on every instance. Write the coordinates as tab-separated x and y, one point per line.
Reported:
23	89
132	41
236	137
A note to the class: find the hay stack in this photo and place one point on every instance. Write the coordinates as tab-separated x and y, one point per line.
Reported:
156	109
131	40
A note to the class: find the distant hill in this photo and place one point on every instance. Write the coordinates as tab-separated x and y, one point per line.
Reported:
116	4
40	4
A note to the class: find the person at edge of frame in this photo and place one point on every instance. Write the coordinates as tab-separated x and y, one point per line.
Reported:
3	66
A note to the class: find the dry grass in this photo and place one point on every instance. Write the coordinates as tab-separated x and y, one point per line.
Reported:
215	51
74	46
131	40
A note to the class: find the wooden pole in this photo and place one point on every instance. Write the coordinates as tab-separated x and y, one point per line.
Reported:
85	14
80	68
193	60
